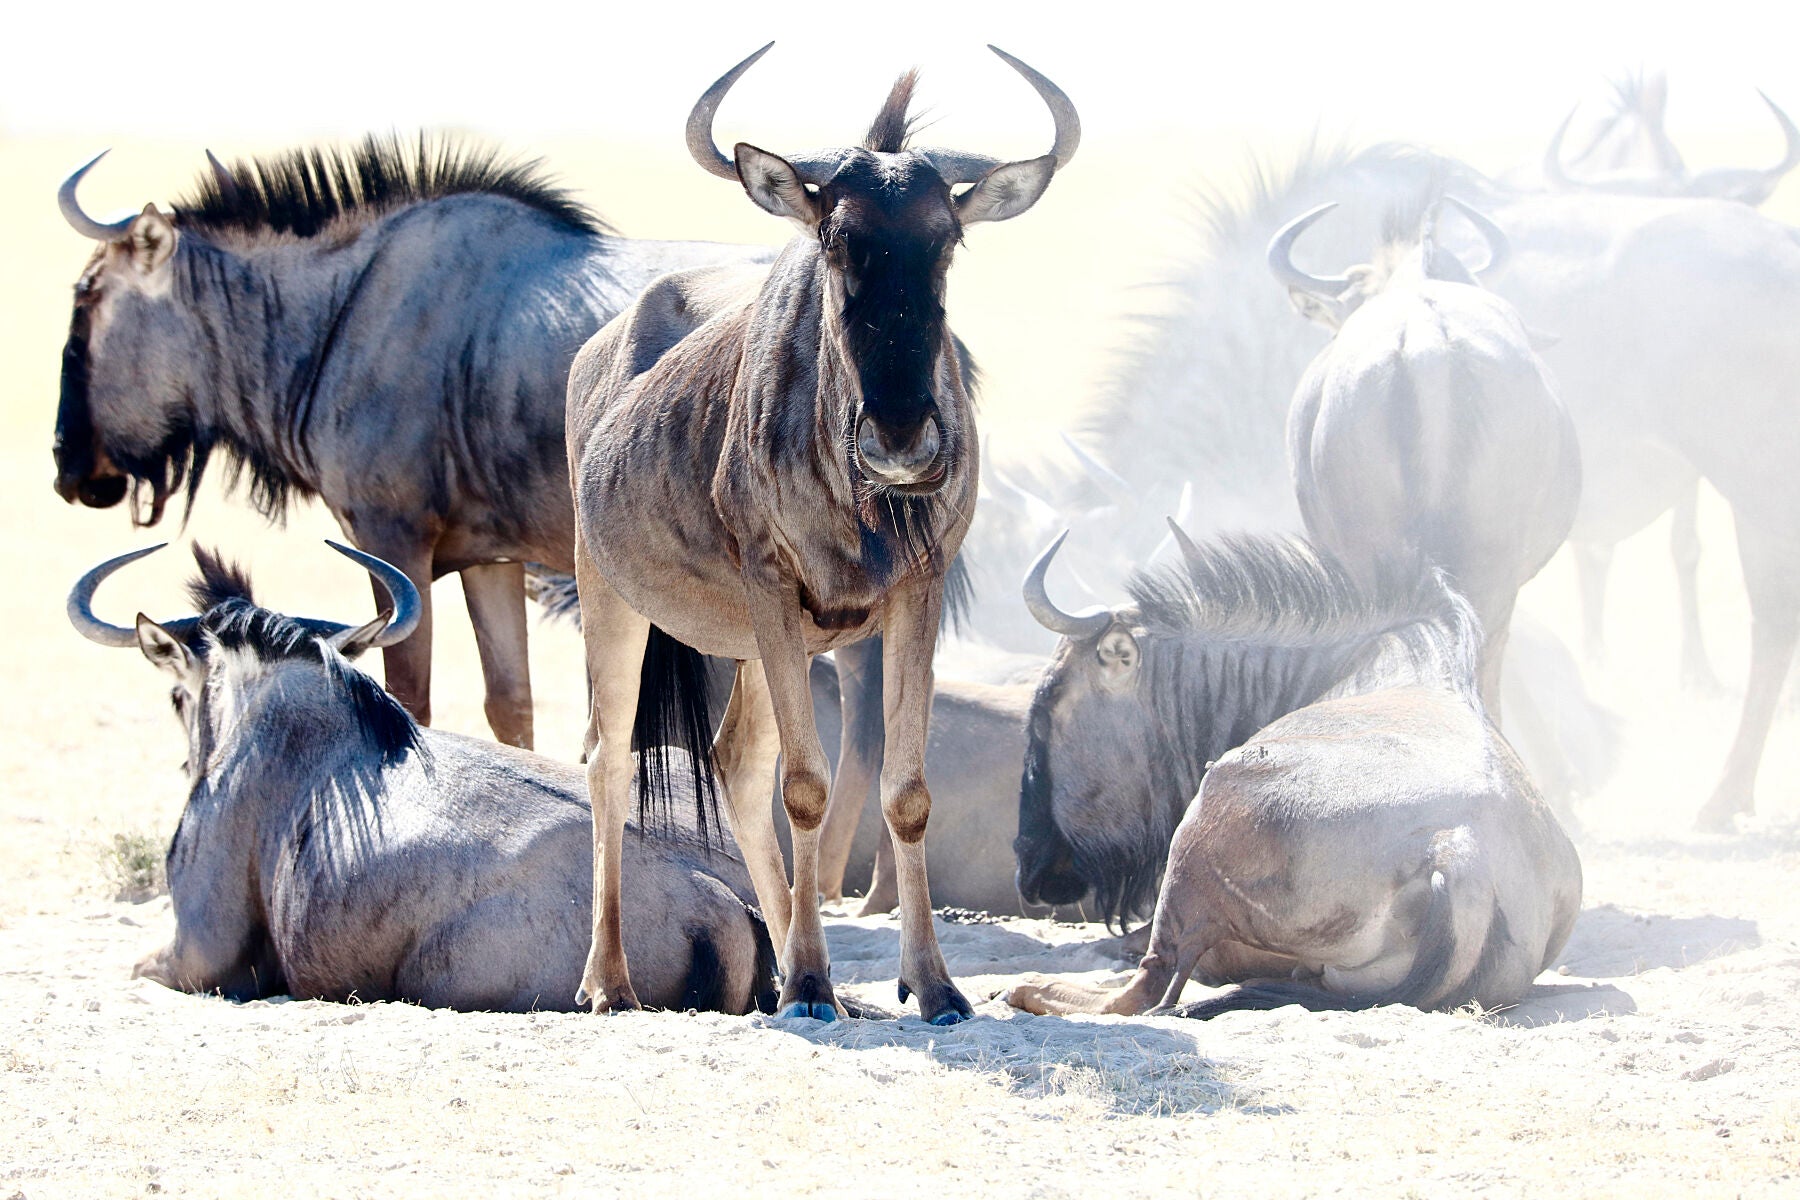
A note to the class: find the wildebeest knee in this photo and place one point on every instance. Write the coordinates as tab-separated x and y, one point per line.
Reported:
803	795
907	808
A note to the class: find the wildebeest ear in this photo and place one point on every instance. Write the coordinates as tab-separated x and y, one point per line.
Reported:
162	648
773	183
1007	190
151	239
352	642
1539	340
1313	308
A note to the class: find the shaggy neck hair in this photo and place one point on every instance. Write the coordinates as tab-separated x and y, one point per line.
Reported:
283	711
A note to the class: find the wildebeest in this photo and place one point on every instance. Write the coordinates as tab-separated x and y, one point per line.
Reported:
1654	302
333	849
1631	153
1428	425
768	464
311	313
1358	832
1665	174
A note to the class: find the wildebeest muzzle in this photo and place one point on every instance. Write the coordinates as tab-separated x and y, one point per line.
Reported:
910	460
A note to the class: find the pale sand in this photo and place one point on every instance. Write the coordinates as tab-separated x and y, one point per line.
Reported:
1685	1085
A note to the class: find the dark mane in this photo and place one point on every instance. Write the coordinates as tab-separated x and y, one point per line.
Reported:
218	581
232	621
1283	593
1279	590
302	192
892	126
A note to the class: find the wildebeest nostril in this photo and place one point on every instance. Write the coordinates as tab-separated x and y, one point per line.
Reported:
103	492
884	456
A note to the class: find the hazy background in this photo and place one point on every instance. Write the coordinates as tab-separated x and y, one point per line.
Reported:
1173	99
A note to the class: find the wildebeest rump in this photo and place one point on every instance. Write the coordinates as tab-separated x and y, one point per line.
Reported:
331	848
388	328
770	464
1358	831
1427	428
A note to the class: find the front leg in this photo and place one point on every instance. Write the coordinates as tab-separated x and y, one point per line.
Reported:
615	636
909	629
780	639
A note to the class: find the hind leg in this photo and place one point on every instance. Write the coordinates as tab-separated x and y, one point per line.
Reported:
615	637
495	594
1593	562
859	761
1772	576
744	753
1684	550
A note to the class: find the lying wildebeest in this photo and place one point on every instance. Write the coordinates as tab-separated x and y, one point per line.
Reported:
333	849
1358	832
310	313
769	464
1427	426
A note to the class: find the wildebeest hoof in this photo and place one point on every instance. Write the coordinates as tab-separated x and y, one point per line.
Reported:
624	1000
1719	815
808	994
940	1003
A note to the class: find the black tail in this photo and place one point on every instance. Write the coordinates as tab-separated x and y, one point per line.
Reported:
705	990
554	592
766	973
1424	982
674	710
959	597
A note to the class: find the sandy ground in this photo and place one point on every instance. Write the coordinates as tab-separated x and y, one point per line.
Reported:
1669	1072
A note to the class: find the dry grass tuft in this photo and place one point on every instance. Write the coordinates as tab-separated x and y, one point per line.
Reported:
133	865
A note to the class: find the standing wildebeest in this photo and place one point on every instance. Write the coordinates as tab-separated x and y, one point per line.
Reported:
1631	154
1355	819
389	329
769	464
331	848
1429	426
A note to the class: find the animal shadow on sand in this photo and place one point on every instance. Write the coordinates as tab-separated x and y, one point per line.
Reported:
1610	942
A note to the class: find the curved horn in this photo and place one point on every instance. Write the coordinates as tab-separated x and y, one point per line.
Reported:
1105	476
400	589
1088	623
1791	157
1282	264
700	120
958	167
1062	110
1553	168
1499	248
228	185
81	602
85	225
1190	553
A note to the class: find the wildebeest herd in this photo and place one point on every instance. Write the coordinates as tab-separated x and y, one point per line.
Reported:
1286	750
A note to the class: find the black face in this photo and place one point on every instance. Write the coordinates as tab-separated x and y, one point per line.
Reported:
1101	794
889	233
78	469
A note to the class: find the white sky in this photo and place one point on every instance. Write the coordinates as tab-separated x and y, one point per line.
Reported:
1437	72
